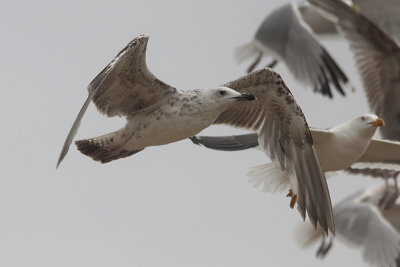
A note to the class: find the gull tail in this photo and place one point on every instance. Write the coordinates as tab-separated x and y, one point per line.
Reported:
105	148
269	177
245	51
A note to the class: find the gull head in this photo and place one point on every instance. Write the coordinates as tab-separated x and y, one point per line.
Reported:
370	120
366	124
222	97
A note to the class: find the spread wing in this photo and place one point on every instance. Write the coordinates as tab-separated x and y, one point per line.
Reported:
377	58
285	34
284	135
126	86
123	88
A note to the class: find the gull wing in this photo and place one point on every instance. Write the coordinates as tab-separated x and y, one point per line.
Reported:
380	154
377	58
285	34
284	135
123	88
384	13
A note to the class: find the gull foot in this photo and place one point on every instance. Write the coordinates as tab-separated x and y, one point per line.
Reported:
294	198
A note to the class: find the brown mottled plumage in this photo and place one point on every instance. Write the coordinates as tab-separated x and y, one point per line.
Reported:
159	114
284	135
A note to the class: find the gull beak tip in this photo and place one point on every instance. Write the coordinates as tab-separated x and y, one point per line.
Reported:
378	122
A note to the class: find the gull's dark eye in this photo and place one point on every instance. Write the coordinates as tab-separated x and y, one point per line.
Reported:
363	118
222	92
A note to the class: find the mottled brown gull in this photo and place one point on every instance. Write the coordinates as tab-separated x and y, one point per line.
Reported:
158	114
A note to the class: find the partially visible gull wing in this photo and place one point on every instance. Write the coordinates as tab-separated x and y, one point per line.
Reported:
284	34
377	58
284	135
384	13
123	88
362	224
318	23
380	154
375	173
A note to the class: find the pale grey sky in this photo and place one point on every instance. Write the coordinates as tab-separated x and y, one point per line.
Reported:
175	205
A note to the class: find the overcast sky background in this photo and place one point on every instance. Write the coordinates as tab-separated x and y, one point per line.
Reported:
175	205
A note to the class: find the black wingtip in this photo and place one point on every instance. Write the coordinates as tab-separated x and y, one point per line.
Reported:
337	76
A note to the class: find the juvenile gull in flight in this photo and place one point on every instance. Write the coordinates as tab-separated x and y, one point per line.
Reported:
361	222
285	36
158	114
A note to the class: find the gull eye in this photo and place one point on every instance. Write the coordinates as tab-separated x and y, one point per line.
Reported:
222	92
363	118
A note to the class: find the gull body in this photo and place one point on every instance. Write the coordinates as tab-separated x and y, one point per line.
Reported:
339	147
183	114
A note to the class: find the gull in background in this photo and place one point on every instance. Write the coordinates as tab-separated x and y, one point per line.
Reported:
349	144
284	36
158	114
361	222
377	58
